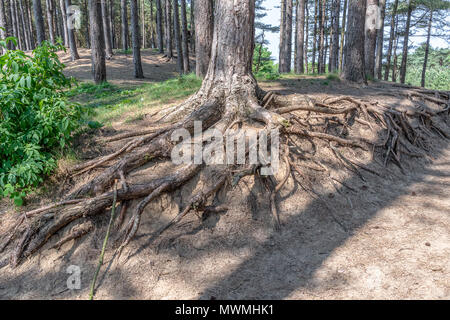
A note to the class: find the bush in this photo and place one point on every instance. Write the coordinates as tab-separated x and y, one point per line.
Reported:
36	120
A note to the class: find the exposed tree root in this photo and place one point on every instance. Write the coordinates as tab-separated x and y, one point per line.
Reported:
298	118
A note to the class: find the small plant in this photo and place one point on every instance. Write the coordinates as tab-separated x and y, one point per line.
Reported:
36	120
333	77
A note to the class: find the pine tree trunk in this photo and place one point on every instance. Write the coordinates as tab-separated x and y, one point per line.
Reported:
124	22
391	41
316	8
394	67
71	38
20	26
87	25
320	67
106	29
380	42
300	19
39	21
344	24
286	34
405	43
354	47
168	28
192	30
203	35
306	36
138	73
14	24
184	34
50	15
25	25
97	42
3	23
370	41
427	49
334	53
177	35
112	28
159	28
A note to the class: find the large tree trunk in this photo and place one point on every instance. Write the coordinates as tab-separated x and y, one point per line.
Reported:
286	34
354	46
341	52
370	41
391	41
138	73
177	36
334	53
405	43
124	23
39	21
159	28
203	35
185	39
71	37
168	28
97	42
427	49
300	23
380	42
106	29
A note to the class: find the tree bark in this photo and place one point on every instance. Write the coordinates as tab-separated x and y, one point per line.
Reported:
138	72
185	39
3	23
300	19
159	28
97	42
112	15
334	53
316	8
380	42
168	28
192	27
177	36
106	29
394	67
320	65
62	5
39	21
370	41
50	17
124	22
203	19
427	49
391	40
14	24
306	37
71	37
354	47
405	43
341	52
286	34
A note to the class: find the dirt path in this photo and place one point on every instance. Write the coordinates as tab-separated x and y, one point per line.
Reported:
396	244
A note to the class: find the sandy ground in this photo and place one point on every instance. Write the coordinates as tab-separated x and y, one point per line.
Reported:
396	242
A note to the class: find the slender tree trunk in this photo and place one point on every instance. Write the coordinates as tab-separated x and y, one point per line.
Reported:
106	29
144	35
192	30
87	25
405	43
391	40
168	29
285	58
97	42
3	23
300	19
177	35
71	35
320	67
316	8
39	21
334	53
138	73
25	25
380	42
427	49
282	36
370	41
112	16
394	68
185	37
203	35
14	24
50	16
20	25
124	22
306	37
354	46
159	28
341	52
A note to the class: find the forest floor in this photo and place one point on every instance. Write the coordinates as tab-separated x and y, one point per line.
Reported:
396	246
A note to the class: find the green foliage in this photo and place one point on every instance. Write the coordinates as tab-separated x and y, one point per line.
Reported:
263	65
36	120
438	68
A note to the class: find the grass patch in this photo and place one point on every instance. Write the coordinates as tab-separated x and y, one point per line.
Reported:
107	102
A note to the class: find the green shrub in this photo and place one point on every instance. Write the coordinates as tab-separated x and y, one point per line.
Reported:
36	120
